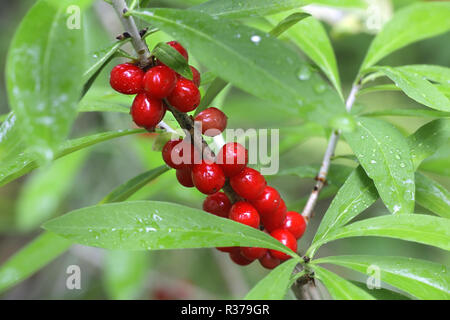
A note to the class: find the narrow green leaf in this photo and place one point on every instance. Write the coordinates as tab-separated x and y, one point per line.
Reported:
357	194
336	175
339	288
428	139
45	97
417	88
25	162
384	154
173	59
439	162
432	195
152	225
419	113
31	258
431	72
216	86
275	284
288	22
125	274
413	23
125	190
250	60
380	293
430	230
420	278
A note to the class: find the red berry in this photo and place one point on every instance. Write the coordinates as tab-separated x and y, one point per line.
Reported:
248	183
275	219
213	121
295	224
179	154
268	201
185	96
286	238
127	78
208	178
147	112
243	212
233	157
225	249
269	262
159	81
196	78
253	253
184	177
238	258
218	204
177	46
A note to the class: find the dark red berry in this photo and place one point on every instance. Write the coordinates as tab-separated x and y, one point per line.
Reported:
275	219
248	183
253	253
295	224
233	157
195	76
218	204
238	258
185	96
147	112
179	154
213	121
243	212
208	178
127	78
286	238
184	177
225	249
269	262
177	46
268	201
159	81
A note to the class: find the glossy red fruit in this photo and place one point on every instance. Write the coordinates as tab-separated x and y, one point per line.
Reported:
225	249
269	262
127	78
179	154
177	46
208	178
253	253
243	212
238	258
286	238
248	183
184	177
295	224
275	219
159	81
218	204
268	201
147	112
233	157
213	121
196	78
185	96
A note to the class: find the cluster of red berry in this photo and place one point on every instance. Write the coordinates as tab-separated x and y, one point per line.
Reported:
258	205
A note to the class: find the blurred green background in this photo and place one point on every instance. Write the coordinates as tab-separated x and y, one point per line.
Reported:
84	178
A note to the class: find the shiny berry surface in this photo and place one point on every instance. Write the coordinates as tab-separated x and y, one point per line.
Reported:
295	224
253	253
184	177
177	46
208	178
238	258
159	82
185	97
179	154
248	183
233	158
286	238
269	262
147	112
218	204
243	212
127	78
213	121
268	201
274	220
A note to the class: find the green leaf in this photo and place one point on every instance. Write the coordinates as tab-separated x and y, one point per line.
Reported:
357	194
173	59
339	288
152	225
413	23
250	60
288	22
275	284
428	139
417	88
312	38
430	230
419	113
43	192
124	191
45	97
337	173
380	293
431	72
25	162
422	279
125	274
432	195
216	86
31	258
384	154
